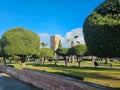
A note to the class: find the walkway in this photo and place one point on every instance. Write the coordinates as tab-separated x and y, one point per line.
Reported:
9	83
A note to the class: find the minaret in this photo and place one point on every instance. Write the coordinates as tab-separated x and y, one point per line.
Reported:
54	42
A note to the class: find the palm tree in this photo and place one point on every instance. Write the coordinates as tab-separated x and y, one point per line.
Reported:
72	43
78	42
43	44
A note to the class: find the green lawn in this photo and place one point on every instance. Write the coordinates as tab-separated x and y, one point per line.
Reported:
105	76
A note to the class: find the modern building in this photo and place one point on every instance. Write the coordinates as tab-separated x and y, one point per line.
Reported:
54	42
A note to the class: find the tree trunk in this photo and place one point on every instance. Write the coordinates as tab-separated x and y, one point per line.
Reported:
10	61
54	57
4	60
101	59
106	60
43	60
72	58
78	61
22	58
55	61
65	61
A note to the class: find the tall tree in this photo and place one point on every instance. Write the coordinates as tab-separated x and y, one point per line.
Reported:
46	53
62	52
20	41
1	54
78	51
72	43
102	30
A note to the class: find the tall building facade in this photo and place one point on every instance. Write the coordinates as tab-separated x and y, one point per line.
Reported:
54	42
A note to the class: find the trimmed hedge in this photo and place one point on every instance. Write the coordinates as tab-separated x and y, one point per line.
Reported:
102	30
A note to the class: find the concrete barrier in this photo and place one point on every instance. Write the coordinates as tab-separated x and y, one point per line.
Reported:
48	81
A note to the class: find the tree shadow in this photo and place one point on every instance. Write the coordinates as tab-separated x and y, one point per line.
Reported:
73	71
74	67
80	72
47	65
95	75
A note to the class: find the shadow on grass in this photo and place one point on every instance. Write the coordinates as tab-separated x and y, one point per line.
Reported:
95	75
10	66
69	75
47	65
74	67
83	72
73	71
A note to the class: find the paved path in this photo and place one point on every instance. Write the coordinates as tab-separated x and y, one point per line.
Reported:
9	83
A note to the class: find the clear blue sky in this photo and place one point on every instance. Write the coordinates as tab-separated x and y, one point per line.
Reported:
45	16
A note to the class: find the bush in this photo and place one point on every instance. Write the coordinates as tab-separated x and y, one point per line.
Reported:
102	30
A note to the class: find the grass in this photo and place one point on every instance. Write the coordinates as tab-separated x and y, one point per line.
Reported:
87	72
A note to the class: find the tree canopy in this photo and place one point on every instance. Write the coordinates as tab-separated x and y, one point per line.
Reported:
78	50
46	52
102	30
20	41
62	51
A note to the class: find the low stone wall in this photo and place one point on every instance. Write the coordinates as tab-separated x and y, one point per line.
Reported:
47	81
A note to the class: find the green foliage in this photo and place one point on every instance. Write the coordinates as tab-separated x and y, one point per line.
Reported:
62	51
14	57
87	53
46	52
19	41
69	75
102	30
78	50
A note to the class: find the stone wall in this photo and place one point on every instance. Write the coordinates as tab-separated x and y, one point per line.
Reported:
47	81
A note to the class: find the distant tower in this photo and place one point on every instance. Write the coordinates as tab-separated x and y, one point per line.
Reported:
54	42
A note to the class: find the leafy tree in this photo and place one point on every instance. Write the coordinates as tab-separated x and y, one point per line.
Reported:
46	53
1	54
20	41
102	30
62	52
14	58
79	51
72	43
87	53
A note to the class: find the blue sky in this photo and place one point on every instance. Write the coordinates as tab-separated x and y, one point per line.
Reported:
48	17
